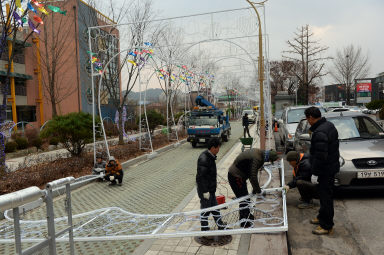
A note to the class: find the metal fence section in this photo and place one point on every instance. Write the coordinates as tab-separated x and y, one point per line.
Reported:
114	223
24	231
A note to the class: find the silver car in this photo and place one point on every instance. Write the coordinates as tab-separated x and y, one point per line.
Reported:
361	149
288	124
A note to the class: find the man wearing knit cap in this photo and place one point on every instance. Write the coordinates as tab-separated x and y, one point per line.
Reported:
246	166
302	178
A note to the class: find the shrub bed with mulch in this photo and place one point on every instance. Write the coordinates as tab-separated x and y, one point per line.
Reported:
39	175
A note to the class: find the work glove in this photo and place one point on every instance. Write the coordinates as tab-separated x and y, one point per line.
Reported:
314	179
111	178
206	195
286	188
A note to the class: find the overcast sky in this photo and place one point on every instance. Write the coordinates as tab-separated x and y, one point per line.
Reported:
337	23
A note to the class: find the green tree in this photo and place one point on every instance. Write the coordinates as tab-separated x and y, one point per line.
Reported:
73	130
375	104
154	119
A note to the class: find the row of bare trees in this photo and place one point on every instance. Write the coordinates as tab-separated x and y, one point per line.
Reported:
304	65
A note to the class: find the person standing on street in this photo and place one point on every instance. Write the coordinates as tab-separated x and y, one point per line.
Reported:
302	179
324	157
246	166
246	125
206	180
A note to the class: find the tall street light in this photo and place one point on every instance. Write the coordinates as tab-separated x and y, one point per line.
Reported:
261	76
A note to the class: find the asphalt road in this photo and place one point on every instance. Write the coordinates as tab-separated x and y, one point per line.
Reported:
359	225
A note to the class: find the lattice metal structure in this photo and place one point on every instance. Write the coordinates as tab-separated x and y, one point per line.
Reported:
114	223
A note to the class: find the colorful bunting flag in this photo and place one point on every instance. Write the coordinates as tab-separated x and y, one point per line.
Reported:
148	44
132	62
132	54
32	26
17	18
43	10
36	3
18	3
29	5
38	19
56	9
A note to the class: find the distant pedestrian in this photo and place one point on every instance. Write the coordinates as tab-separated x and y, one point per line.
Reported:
206	180
246	166
114	172
302	179
324	157
246	124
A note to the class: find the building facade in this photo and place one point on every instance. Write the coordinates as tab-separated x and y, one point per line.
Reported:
66	37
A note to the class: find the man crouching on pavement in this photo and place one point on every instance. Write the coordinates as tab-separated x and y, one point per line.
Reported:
114	172
302	178
206	180
246	166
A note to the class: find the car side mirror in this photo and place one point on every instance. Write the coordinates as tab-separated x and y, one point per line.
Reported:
305	137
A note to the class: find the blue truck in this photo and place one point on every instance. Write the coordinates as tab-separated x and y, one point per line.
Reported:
206	122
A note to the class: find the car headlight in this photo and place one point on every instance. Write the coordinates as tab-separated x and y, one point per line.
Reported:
291	136
341	161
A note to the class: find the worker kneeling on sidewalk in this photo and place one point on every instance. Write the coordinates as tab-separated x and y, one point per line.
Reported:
246	166
114	172
302	179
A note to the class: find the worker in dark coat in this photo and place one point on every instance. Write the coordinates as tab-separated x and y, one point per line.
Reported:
246	124
246	166
206	180
324	156
302	174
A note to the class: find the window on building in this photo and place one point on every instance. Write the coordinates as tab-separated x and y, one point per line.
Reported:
20	87
26	113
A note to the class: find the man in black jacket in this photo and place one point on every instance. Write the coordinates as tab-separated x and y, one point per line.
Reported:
206	180
325	164
247	166
246	125
302	178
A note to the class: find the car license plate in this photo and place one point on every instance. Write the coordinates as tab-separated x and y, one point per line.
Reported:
202	140
370	174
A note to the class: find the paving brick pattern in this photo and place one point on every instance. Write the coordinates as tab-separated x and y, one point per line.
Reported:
153	187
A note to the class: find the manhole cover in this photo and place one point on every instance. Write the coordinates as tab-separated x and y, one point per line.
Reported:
213	240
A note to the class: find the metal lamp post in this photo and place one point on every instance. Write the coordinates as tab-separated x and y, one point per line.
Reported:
261	77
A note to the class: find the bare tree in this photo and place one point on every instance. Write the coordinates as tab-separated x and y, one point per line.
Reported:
283	76
55	58
11	30
307	54
349	64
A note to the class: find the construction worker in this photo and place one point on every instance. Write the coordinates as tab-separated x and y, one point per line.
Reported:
114	172
99	167
246	166
302	179
206	180
246	124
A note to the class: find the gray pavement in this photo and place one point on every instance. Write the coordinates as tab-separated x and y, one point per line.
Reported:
155	186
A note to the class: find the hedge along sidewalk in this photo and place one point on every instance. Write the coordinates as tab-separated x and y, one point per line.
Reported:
15	164
82	181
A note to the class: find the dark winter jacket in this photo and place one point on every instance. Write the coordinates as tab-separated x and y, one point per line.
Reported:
114	169
324	148
206	176
245	121
302	171
247	165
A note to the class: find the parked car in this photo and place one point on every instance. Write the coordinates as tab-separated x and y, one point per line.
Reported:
252	116
361	149
288	124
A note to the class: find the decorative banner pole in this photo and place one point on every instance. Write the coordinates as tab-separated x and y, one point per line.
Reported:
261	77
